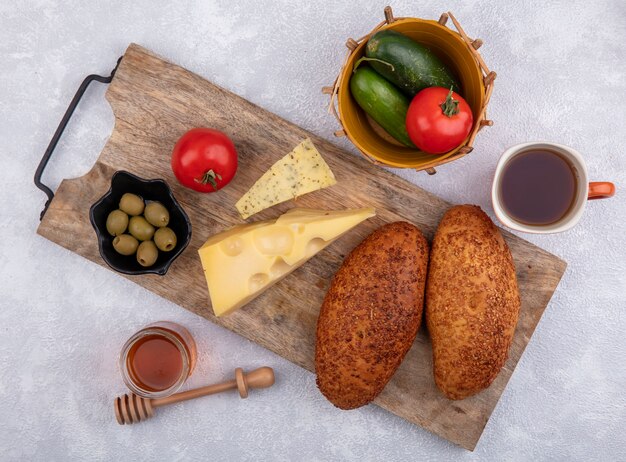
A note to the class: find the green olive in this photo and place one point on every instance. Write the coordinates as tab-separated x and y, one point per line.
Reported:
117	222
140	228
147	253
165	239
125	244
156	214
132	204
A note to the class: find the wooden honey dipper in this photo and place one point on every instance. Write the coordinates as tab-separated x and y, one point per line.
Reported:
131	408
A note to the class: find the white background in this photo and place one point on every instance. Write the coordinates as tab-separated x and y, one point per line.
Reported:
561	77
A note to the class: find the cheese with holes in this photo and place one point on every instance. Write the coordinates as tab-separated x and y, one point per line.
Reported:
243	261
301	171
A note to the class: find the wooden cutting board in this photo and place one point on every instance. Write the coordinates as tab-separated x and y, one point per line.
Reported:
154	103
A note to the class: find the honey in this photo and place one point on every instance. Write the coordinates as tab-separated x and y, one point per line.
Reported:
155	363
158	359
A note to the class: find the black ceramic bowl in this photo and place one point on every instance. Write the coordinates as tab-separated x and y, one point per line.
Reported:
150	190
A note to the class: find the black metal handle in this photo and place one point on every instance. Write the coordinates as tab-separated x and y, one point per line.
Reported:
57	134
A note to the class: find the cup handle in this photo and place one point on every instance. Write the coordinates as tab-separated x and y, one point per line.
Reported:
600	190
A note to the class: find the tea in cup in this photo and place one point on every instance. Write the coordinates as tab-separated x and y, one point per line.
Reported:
543	187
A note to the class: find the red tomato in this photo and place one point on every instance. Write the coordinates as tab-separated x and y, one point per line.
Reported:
438	120
204	160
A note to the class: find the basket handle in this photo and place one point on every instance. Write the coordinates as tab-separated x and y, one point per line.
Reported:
389	15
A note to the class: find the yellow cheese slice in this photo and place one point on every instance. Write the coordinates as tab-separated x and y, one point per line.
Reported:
301	171
243	261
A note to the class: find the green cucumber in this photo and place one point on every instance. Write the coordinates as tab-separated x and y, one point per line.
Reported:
407	64
382	101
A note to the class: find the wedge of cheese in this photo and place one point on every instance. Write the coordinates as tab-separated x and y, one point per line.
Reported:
301	171
243	261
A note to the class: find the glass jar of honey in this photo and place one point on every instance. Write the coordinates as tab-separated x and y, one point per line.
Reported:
157	360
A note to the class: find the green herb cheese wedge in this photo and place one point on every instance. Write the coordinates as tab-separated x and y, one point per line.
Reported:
407	64
382	101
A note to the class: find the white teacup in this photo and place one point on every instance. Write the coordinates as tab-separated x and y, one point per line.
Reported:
584	189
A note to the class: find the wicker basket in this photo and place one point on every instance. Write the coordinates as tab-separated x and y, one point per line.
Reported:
456	49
